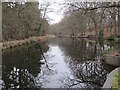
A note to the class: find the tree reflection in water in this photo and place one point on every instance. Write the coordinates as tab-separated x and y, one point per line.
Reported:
21	65
90	73
83	57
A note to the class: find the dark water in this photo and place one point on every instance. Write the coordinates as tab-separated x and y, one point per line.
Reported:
56	63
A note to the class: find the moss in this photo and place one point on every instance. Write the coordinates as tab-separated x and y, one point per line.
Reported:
116	82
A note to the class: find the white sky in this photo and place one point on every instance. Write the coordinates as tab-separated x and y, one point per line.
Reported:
56	14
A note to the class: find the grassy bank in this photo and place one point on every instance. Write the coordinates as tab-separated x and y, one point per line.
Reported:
17	43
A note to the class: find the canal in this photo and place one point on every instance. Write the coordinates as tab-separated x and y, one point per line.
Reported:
59	62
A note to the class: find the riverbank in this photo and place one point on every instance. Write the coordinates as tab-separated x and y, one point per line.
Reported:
17	43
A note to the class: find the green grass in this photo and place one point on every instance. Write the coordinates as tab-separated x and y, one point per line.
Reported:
116	82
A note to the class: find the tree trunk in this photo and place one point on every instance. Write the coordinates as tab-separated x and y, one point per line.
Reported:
119	29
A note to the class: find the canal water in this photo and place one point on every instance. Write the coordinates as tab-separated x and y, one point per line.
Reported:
59	62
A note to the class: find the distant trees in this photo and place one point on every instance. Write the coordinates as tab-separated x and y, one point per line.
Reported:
81	17
22	20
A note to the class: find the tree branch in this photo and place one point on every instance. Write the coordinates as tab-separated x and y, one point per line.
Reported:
93	8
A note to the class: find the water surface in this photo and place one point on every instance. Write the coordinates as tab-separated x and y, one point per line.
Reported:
56	63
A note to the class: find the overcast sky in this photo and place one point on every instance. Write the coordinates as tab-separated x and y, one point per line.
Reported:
56	15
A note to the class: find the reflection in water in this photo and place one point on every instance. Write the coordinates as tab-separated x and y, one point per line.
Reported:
82	57
57	63
20	66
70	63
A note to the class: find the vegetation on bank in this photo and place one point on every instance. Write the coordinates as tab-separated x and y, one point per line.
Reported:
113	50
108	51
116	82
21	20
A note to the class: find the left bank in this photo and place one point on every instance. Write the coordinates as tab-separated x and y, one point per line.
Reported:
17	43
